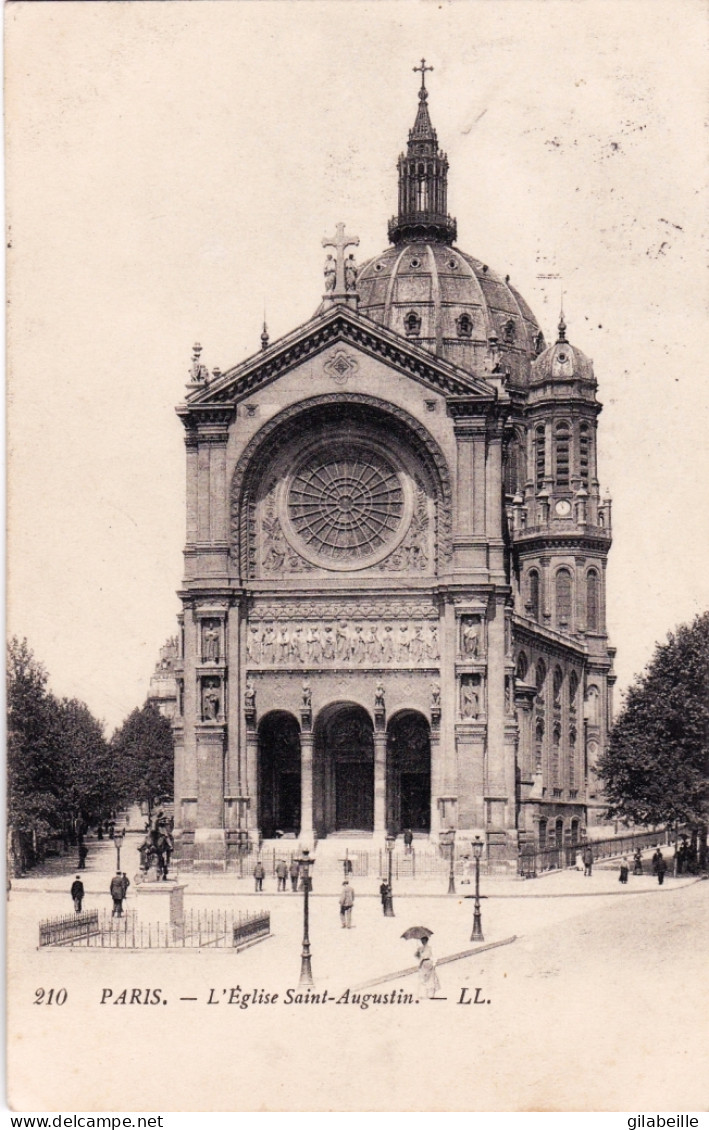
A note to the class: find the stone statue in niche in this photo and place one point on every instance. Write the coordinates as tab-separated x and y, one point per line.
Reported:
210	641
469	699
211	700
250	696
432	642
435	698
387	644
470	640
269	643
379	697
307	696
328	643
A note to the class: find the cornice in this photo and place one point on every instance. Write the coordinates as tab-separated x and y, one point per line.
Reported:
339	324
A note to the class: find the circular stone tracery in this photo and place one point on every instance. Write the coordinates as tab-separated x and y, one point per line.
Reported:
346	505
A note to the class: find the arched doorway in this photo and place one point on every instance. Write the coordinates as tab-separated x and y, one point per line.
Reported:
343	770
408	772
279	774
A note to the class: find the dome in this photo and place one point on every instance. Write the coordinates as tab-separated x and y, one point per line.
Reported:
452	304
562	362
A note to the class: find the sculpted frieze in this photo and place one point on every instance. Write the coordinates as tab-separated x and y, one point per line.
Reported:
340	642
344	610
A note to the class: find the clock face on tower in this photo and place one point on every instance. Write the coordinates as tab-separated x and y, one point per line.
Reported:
563	508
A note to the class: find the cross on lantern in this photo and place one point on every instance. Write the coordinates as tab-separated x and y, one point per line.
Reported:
423	68
340	242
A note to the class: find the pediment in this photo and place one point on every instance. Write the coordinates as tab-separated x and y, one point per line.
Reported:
360	334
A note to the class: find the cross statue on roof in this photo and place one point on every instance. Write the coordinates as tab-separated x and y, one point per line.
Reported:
423	68
340	242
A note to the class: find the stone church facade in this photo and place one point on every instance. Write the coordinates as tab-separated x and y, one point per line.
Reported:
394	591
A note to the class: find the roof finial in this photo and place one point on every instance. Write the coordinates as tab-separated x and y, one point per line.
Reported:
264	335
423	93
562	323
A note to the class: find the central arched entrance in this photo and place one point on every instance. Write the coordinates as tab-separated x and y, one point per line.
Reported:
279	774
343	770
408	773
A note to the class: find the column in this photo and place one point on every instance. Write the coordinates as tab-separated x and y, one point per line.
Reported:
380	783
306	787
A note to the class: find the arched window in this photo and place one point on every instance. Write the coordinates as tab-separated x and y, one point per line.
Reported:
563	598
412	323
561	454
584	452
464	325
542	834
574	831
540	455
592	592
508	332
521	671
559	833
592	711
572	757
539	344
555	756
534	594
515	467
573	689
538	745
558	684
540	676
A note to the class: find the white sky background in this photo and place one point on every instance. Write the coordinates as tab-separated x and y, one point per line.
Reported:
173	166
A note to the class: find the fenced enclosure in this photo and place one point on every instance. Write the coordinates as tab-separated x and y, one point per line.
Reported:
533	860
69	928
215	929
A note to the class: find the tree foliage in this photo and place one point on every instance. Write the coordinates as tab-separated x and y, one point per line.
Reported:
60	771
656	769
143	749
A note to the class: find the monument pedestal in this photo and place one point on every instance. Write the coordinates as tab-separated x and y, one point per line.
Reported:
161	902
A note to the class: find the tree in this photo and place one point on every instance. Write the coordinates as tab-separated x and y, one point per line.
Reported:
60	775
143	751
656	768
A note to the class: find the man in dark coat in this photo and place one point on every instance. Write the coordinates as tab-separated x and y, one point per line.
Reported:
587	860
281	874
259	873
294	874
117	894
660	866
77	893
126	885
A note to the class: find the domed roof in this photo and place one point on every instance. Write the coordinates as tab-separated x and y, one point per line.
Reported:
452	304
562	362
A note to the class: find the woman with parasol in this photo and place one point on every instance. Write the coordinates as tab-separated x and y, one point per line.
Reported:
428	977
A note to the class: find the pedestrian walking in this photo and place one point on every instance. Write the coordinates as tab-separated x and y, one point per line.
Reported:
117	894
660	866
77	894
83	852
347	897
383	892
294	872
638	862
428	977
408	840
259	874
587	861
126	885
281	874
624	871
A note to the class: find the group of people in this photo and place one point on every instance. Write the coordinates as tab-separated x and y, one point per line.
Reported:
283	872
118	890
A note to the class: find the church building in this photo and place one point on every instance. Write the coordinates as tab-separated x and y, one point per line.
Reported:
394	590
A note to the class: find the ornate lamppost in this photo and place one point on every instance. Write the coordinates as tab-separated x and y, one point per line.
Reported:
118	838
306	972
448	840
477	934
389	897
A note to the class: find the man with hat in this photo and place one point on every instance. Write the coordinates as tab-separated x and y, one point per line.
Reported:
347	897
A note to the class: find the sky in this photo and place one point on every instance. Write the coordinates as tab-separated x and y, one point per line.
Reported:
171	170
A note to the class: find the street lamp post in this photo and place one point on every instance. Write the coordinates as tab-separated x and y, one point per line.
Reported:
448	839
477	934
118	838
389	897
306	972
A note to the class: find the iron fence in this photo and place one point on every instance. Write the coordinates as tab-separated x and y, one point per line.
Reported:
533	860
217	929
68	929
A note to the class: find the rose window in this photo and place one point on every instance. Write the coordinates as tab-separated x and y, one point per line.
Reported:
348	505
